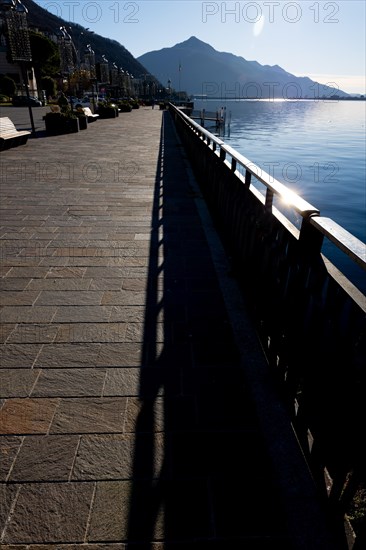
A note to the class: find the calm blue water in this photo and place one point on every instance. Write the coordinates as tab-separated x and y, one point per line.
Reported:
316	148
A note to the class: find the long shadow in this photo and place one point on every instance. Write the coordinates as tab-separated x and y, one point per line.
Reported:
197	449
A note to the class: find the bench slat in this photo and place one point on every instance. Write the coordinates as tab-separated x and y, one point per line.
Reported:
10	135
88	112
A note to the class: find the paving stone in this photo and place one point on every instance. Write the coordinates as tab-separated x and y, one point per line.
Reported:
124	298
144	416
17	382
27	314
122	381
64	272
5	331
106	284
109	261
19	298
27	416
50	512
64	298
180	412
111	272
128	314
111	514
8	450
18	356
69	383
14	547
52	262
14	284
28	333
138	284
47	458
68	355
27	272
176	510
119	355
145	382
90	415
119	456
92	332
6	271
8	494
59	284
96	546
263	516
80	314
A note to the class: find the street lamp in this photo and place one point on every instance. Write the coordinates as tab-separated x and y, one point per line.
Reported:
90	55
169	89
66	48
104	72
78	48
14	14
133	86
122	73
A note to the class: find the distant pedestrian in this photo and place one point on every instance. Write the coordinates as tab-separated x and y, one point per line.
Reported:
63	103
153	104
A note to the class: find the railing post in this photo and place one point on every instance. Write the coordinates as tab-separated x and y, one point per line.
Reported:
310	239
248	178
269	199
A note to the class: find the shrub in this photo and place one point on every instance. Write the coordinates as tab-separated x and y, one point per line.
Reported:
7	85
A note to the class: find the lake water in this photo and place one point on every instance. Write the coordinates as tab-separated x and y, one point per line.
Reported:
316	148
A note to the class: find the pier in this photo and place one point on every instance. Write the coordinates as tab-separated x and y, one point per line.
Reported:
147	398
219	119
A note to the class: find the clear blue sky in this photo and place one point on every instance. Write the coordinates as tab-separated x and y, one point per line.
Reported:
320	39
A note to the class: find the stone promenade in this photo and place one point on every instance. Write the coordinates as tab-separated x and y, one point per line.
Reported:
126	419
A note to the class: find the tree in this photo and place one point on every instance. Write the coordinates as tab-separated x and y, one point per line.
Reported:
7	85
45	55
48	84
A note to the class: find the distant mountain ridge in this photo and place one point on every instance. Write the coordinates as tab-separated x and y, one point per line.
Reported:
197	68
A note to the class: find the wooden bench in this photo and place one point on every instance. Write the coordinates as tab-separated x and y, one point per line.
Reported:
10	136
91	116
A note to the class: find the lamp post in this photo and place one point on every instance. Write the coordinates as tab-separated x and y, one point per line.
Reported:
78	47
90	55
133	86
169	89
115	79
66	47
122	73
14	15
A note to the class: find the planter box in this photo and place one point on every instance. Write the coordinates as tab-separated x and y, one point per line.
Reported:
108	112
58	124
83	122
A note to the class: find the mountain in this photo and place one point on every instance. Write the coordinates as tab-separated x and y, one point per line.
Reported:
197	68
44	21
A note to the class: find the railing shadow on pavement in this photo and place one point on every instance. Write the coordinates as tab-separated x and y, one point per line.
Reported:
198	449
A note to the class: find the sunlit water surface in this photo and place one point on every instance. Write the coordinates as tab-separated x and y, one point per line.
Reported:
316	148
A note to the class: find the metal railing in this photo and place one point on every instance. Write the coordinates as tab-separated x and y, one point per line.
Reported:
310	319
